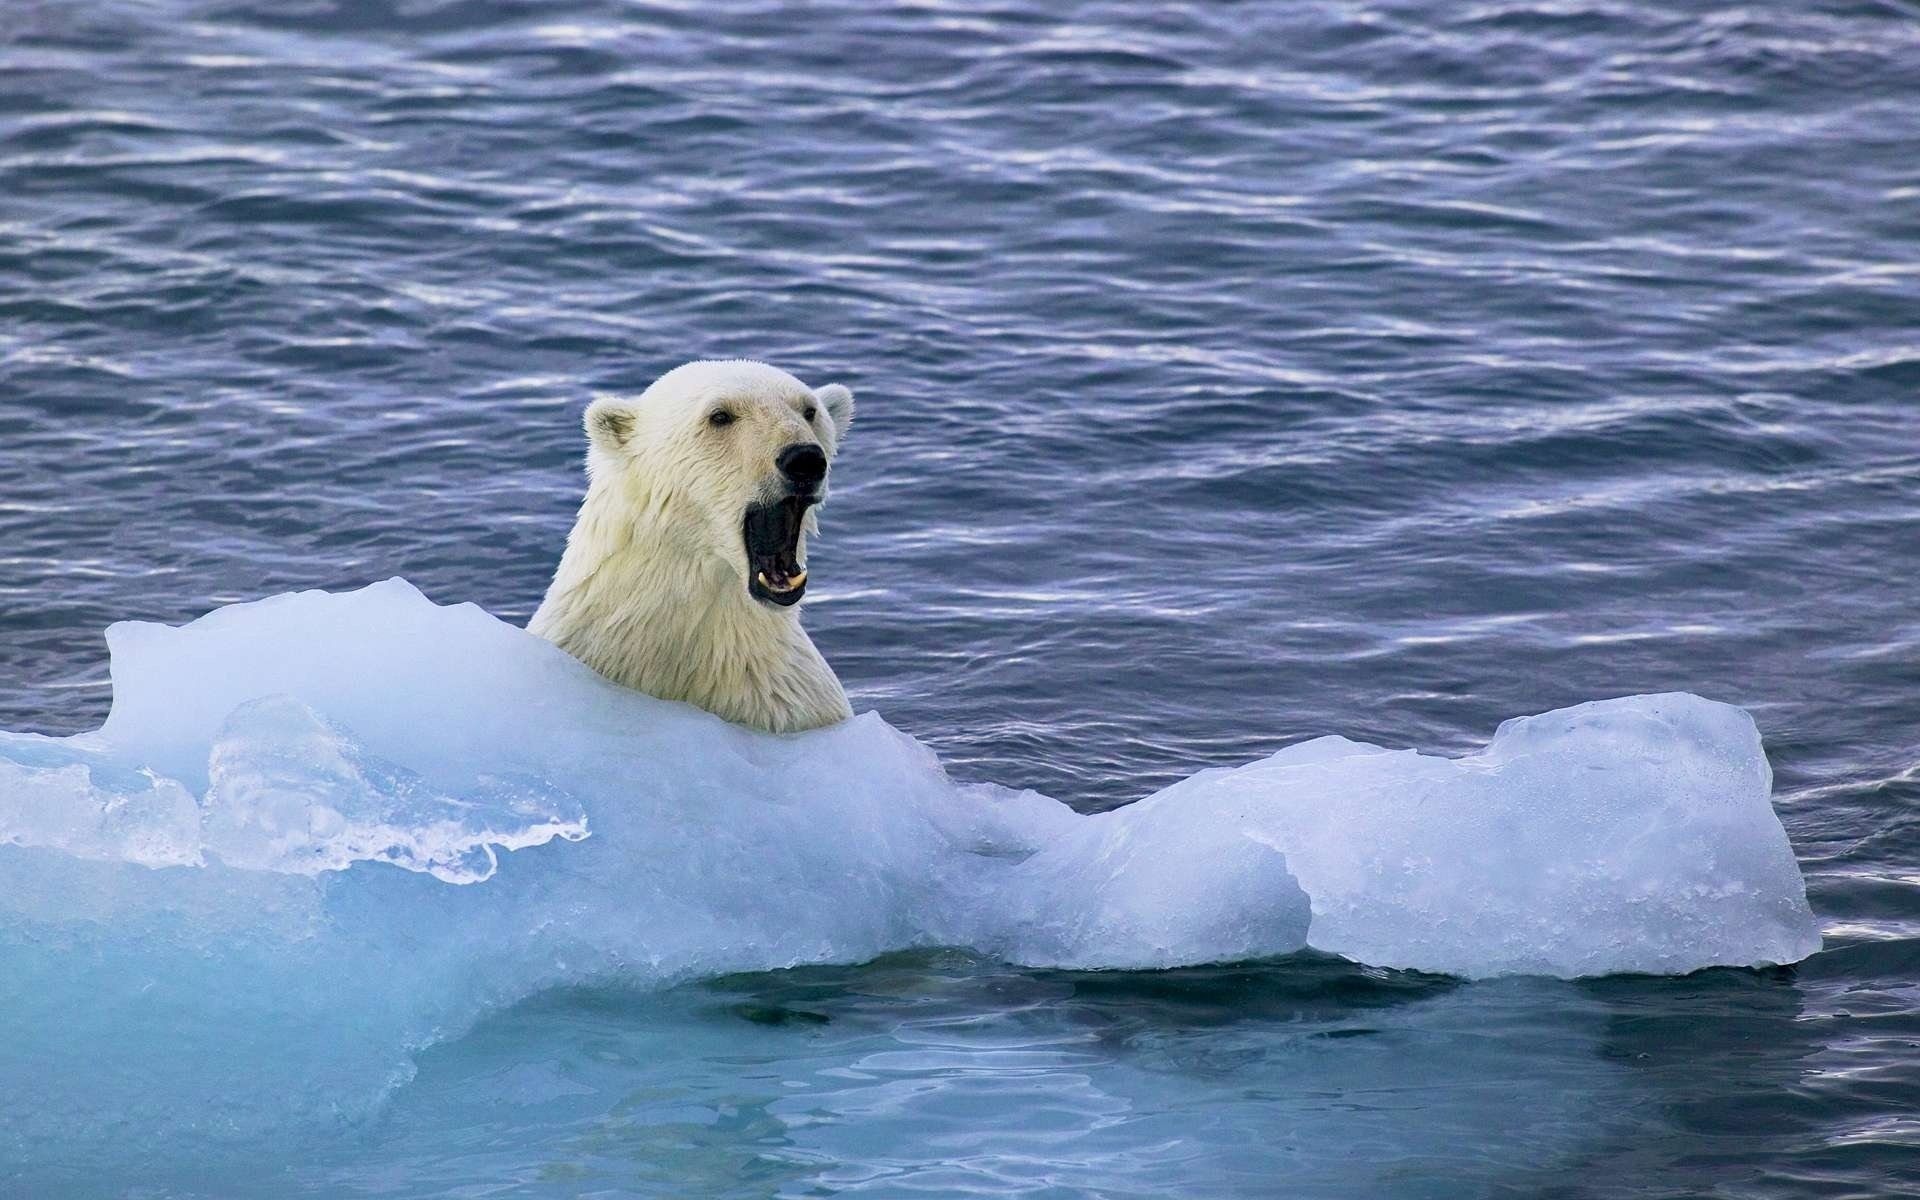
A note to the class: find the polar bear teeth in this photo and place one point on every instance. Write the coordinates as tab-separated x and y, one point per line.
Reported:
772	534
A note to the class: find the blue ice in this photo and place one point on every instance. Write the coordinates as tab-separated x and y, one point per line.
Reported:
321	831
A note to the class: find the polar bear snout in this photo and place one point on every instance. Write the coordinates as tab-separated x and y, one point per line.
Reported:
804	464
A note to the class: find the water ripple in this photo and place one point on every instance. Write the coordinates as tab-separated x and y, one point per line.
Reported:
1228	375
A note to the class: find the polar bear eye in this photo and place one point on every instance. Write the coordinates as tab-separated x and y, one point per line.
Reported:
719	418
810	414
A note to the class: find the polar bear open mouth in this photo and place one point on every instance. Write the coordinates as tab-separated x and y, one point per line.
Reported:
772	534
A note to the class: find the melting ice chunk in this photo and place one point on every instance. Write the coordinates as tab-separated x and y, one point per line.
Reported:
1622	835
208	882
52	795
291	792
1152	885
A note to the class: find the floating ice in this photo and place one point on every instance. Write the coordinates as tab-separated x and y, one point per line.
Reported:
1631	835
318	831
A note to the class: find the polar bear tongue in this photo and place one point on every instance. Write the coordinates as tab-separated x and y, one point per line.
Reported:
772	535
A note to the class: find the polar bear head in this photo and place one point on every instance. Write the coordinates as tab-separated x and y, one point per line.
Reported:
727	460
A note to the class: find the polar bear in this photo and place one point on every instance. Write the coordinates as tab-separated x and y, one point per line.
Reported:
682	571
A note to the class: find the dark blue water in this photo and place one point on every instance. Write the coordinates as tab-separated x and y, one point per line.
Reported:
1228	375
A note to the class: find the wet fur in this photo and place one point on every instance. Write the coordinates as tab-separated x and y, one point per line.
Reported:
652	589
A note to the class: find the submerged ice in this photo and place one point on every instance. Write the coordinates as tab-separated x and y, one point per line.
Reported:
320	830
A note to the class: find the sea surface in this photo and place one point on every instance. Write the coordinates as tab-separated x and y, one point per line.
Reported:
1227	374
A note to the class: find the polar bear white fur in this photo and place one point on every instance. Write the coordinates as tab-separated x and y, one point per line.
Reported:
681	573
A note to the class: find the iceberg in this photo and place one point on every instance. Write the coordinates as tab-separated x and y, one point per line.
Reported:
320	831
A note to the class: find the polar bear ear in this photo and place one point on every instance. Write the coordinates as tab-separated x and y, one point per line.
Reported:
839	402
609	423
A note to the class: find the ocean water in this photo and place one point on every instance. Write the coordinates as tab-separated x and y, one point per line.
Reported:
1228	375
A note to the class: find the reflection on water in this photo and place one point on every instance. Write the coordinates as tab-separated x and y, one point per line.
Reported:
949	1075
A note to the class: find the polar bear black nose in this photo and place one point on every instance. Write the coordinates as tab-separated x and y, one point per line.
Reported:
803	463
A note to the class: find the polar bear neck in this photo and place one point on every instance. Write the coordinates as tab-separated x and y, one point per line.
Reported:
653	612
